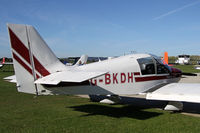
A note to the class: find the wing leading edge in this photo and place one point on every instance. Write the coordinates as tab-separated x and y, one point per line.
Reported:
68	76
185	92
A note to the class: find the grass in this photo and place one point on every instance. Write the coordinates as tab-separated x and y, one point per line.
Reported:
6	68
25	113
187	68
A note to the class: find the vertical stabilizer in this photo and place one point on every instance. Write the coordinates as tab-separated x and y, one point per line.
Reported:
82	60
32	58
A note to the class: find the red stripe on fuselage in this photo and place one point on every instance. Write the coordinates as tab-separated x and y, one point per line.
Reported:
150	78
136	73
23	51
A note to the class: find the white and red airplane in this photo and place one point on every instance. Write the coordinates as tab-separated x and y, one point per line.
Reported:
2	62
81	61
38	71
5	63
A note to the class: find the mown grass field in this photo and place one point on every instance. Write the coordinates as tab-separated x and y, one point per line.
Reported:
25	113
187	68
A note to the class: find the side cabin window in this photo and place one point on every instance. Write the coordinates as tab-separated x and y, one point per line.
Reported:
146	65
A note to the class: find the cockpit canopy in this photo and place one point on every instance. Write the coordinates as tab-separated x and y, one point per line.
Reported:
153	65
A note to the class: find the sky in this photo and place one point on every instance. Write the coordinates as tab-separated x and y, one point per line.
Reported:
107	27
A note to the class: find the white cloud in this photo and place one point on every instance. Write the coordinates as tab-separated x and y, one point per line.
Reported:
176	10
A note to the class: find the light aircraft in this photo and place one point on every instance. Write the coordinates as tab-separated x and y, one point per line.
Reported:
81	61
38	71
5	63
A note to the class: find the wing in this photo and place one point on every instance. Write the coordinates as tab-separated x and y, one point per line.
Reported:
68	76
185	92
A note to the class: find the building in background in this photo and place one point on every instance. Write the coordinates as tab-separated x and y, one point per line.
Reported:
183	59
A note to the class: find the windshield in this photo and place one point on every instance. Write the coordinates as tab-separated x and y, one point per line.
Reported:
153	65
161	67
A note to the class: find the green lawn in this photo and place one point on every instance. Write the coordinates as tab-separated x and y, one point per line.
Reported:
187	68
24	113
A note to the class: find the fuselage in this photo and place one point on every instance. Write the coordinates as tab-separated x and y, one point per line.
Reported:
42	71
131	74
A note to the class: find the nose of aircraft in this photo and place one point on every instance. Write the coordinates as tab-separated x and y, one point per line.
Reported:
176	72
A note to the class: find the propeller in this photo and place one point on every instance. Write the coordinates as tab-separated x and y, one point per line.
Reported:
189	74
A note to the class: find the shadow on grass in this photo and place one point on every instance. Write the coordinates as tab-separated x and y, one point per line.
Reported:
117	112
193	108
135	108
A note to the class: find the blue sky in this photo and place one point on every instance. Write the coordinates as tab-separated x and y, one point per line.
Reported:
107	27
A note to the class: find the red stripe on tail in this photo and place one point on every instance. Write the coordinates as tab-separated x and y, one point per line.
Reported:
40	68
22	63
23	51
18	46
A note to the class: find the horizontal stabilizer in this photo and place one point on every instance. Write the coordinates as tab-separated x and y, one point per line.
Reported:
185	92
11	79
68	76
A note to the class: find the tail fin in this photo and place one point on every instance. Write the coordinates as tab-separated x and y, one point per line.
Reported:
82	60
32	58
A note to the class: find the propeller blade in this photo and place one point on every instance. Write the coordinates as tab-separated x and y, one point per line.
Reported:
189	74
